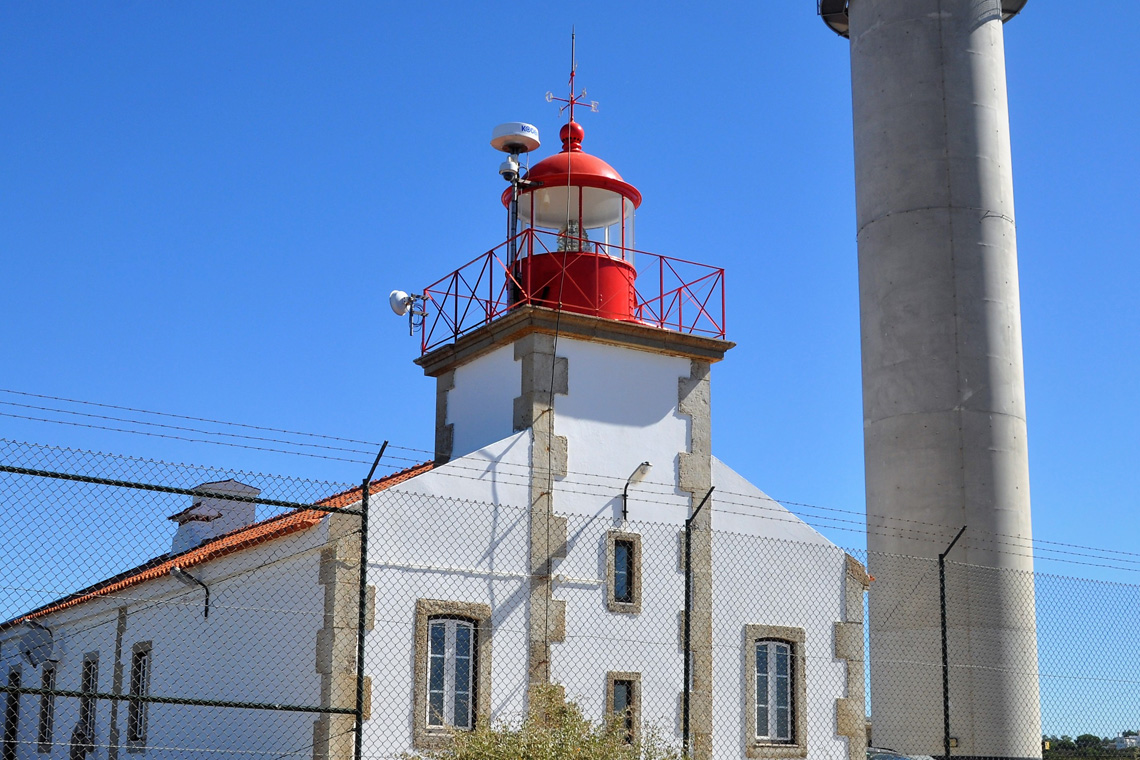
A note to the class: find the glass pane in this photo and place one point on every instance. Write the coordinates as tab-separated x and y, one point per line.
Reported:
781	660
462	709
462	640
762	690
435	708
623	591
435	682
552	207
782	723
437	634
462	674
621	696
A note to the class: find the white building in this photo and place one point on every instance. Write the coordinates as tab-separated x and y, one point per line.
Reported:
512	561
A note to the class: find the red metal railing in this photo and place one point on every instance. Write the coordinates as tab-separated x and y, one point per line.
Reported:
672	294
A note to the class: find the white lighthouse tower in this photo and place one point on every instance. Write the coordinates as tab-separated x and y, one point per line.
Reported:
943	385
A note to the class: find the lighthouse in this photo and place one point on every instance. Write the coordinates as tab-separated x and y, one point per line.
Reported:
943	382
600	355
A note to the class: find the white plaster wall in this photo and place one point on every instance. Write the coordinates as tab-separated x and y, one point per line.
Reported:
598	641
481	405
460	533
621	410
757	579
498	473
258	644
771	581
740	507
95	633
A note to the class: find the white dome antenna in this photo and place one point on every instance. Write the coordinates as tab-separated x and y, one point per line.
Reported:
405	303
515	137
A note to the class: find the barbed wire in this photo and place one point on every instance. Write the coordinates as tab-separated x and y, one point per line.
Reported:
595	480
204	419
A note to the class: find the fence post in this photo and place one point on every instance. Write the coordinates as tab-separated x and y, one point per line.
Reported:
361	604
688	619
945	657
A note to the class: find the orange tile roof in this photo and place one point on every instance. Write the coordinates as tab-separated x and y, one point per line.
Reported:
234	541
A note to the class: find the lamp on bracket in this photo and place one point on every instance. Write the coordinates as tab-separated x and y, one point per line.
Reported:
636	477
186	578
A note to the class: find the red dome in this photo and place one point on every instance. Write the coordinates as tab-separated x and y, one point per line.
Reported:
574	167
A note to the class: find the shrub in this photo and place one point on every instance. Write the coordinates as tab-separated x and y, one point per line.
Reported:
554	729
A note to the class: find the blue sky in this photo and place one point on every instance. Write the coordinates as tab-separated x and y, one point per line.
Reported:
203	208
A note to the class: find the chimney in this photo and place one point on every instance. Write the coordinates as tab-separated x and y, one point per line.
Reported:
213	515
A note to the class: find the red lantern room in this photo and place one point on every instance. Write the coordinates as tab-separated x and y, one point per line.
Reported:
572	252
576	247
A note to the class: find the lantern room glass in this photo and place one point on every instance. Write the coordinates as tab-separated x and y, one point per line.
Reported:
587	219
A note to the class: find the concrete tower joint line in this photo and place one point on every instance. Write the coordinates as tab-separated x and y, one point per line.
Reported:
542	371
694	396
943	380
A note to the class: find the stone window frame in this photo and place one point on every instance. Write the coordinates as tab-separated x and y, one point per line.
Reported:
432	737
89	706
796	639
632	607
137	710
634	700
45	725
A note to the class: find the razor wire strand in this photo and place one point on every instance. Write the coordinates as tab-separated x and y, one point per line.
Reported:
567	480
768	504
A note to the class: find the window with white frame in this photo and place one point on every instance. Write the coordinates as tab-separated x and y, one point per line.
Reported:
623	572
89	685
775	715
47	708
140	687
451	672
775	691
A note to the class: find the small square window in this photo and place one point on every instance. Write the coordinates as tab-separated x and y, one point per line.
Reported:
623	699
623	572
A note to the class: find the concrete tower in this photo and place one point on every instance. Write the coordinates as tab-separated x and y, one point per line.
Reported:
943	386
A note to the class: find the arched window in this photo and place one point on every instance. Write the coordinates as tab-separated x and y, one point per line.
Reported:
775	706
775	690
452	650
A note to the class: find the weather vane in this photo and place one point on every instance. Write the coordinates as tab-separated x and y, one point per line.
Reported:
573	99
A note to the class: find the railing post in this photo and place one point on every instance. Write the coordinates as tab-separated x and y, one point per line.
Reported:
723	326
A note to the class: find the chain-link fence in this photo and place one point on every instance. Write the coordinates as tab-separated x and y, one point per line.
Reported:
178	611
170	610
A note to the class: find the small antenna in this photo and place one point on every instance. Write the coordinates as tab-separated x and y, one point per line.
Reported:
405	303
573	99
